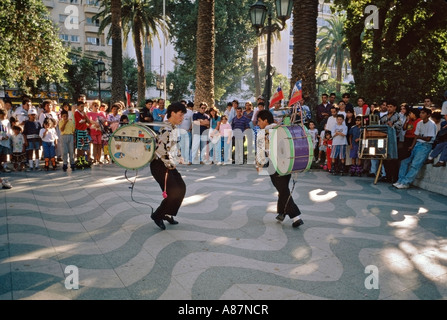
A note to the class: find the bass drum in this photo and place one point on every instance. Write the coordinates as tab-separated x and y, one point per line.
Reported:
132	146
291	149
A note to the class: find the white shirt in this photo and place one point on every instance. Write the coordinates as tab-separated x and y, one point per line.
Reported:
187	120
444	108
427	129
51	135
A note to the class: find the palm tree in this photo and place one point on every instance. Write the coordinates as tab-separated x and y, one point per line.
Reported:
205	53
305	13
144	21
117	51
332	50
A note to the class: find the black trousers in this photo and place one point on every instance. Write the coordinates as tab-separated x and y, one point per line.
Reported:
175	188
285	205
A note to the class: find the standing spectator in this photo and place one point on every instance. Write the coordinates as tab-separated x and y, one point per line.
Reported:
239	125
113	118
82	123
159	113
248	112
146	114
215	143
278	113
428	103
185	133
18	149
392	119
332	120
339	142
342	108
254	119
67	129
31	130
362	108
332	98
201	122
327	144
403	114
8	108
5	141
226	134
420	149
95	131
313	131
21	113
354	140
47	112
48	135
323	110
346	97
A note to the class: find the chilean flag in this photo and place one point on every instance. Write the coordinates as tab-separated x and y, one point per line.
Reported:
127	96
277	96
297	93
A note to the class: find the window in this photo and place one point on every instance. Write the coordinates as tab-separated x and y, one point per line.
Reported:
93	40
63	37
74	38
92	22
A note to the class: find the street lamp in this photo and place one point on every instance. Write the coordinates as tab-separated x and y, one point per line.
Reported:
324	77
258	13
100	67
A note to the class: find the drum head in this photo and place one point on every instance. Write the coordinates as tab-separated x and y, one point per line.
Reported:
291	149
132	146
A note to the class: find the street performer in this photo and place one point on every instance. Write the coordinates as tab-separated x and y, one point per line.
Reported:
285	204
163	168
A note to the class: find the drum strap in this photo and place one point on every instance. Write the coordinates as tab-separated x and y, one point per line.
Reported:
291	191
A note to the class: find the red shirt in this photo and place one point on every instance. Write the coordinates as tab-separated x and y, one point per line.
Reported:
78	117
411	126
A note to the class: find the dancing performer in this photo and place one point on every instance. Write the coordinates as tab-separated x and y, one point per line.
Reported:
285	204
163	168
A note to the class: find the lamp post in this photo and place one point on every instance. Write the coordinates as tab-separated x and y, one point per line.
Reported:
258	13
100	67
324	77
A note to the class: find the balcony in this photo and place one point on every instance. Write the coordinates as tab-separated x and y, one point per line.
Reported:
88	8
93	47
91	28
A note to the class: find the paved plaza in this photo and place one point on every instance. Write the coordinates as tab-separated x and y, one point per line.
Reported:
359	240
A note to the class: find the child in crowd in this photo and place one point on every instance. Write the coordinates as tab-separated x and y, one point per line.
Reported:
82	122
49	142
31	130
67	129
314	135
95	132
322	147
339	142
124	119
5	142
327	144
354	138
226	139
18	157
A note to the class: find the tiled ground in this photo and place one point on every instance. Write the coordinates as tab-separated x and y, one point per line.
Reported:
227	244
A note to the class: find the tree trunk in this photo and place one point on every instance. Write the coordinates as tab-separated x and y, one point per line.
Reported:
205	54
305	13
117	52
255	64
141	82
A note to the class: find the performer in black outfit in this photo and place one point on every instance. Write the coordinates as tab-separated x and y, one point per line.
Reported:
285	205
163	168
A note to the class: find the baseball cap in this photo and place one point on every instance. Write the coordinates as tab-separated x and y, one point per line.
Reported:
32	111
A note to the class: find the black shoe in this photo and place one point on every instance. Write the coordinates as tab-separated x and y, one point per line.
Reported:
297	223
280	217
428	161
170	219
159	222
439	164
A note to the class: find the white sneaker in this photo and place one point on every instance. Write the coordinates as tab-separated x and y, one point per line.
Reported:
396	184
403	186
6	184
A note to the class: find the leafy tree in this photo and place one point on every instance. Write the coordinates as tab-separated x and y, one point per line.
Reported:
234	36
144	19
30	47
80	74
130	75
403	56
332	50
